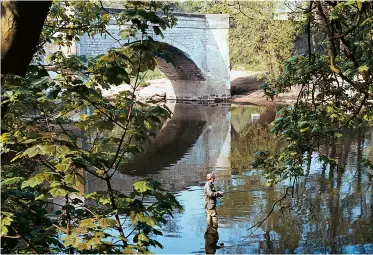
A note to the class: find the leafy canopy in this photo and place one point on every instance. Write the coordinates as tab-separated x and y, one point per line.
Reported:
336	85
58	130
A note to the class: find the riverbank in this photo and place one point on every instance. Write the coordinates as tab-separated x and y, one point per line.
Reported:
246	89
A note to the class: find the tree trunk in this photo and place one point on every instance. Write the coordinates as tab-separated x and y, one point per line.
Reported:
21	25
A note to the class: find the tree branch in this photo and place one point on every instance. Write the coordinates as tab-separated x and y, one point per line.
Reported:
26	241
270	212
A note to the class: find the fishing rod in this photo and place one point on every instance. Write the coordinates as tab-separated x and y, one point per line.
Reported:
252	190
249	190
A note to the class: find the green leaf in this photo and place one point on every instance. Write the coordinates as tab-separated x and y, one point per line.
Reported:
4	230
58	192
5	137
363	68
104	200
142	186
34	150
71	240
105	125
147	125
54	184
74	179
150	221
12	181
157	31
5	221
33	181
41	197
338	134
57	150
83	246
142	237
88	223
64	165
106	222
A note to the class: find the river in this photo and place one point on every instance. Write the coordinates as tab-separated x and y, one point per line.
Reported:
329	211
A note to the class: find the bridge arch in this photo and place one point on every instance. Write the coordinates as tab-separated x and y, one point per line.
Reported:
180	66
200	70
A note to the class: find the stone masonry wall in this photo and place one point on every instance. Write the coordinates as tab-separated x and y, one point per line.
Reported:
202	39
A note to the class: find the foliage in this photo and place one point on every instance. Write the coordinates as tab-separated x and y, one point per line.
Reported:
152	75
335	78
257	40
251	139
58	128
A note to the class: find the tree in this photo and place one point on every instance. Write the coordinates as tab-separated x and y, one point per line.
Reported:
335	77
47	152
21	21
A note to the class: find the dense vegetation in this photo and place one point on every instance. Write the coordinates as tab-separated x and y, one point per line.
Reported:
258	39
58	130
332	68
335	80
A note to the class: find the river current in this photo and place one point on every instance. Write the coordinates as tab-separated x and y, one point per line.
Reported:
329	210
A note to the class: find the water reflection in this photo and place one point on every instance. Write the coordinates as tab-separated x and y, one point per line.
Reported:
211	240
329	211
196	139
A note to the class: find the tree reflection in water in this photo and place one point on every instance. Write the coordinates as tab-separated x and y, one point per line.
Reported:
331	210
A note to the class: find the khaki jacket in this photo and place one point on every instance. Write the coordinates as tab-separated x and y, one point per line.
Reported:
210	195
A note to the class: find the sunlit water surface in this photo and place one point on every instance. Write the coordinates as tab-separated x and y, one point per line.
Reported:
329	211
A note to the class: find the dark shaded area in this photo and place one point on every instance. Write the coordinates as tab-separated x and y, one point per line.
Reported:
245	85
22	22
211	240
177	65
170	146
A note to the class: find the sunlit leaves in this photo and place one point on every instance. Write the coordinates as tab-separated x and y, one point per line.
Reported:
142	186
106	222
71	240
40	178
335	91
111	68
11	181
88	223
363	68
6	220
60	128
74	179
58	192
49	150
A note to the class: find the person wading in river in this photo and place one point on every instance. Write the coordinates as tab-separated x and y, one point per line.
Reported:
211	195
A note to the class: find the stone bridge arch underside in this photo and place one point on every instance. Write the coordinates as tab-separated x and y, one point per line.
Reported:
199	47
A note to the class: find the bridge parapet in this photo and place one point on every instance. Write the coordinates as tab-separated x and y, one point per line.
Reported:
201	47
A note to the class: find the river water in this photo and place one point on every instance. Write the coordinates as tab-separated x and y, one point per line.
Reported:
329	211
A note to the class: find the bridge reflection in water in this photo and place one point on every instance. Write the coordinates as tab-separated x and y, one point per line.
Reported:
331	210
195	141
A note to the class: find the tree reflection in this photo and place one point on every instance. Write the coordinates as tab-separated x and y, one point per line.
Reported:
332	208
251	139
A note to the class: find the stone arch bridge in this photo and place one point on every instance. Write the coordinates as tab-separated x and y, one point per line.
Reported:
199	44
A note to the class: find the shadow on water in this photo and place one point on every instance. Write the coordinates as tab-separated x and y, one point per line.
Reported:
330	210
170	145
196	138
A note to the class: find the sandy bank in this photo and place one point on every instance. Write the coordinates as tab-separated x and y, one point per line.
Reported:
245	89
